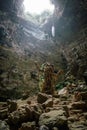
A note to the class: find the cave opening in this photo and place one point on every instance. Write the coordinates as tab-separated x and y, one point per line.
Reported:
38	11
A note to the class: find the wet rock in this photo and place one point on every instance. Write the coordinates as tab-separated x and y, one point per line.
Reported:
42	97
55	118
4	126
28	126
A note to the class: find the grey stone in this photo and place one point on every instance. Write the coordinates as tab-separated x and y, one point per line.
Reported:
54	118
3	125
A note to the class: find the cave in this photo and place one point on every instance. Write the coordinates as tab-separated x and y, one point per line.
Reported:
43	65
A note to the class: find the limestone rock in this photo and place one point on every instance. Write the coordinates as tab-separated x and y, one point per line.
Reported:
38	108
4	126
36	115
85	115
55	118
12	106
20	115
77	126
79	105
63	91
28	126
44	127
3	113
37	111
48	103
84	95
56	101
73	118
55	128
42	97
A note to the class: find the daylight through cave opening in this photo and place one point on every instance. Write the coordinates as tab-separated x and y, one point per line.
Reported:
38	11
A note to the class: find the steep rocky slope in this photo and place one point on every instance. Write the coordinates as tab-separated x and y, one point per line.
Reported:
21	43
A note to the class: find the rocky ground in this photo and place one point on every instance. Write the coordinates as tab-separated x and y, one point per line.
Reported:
66	110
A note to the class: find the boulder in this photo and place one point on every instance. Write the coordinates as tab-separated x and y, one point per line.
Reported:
80	96
77	96
12	105
85	115
79	105
3	113
73	118
56	101
37	111
44	127
77	126
42	97
63	91
28	126
55	128
38	108
20	115
54	118
36	115
84	95
48	103
3	125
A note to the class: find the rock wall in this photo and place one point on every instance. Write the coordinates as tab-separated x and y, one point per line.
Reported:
20	46
12	6
71	28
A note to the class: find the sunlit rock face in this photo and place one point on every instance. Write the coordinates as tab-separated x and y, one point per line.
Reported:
14	6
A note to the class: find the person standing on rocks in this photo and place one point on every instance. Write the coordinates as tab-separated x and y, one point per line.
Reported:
47	78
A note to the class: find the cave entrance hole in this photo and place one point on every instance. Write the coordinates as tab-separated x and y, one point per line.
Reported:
38	10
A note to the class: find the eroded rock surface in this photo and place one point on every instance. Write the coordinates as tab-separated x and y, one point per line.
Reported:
54	118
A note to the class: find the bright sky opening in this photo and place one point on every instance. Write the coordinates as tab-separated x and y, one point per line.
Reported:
38	6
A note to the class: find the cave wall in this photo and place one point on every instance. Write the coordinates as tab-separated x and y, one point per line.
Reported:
12	6
71	31
73	17
69	18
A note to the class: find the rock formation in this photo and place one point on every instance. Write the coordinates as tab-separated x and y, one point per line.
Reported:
21	44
